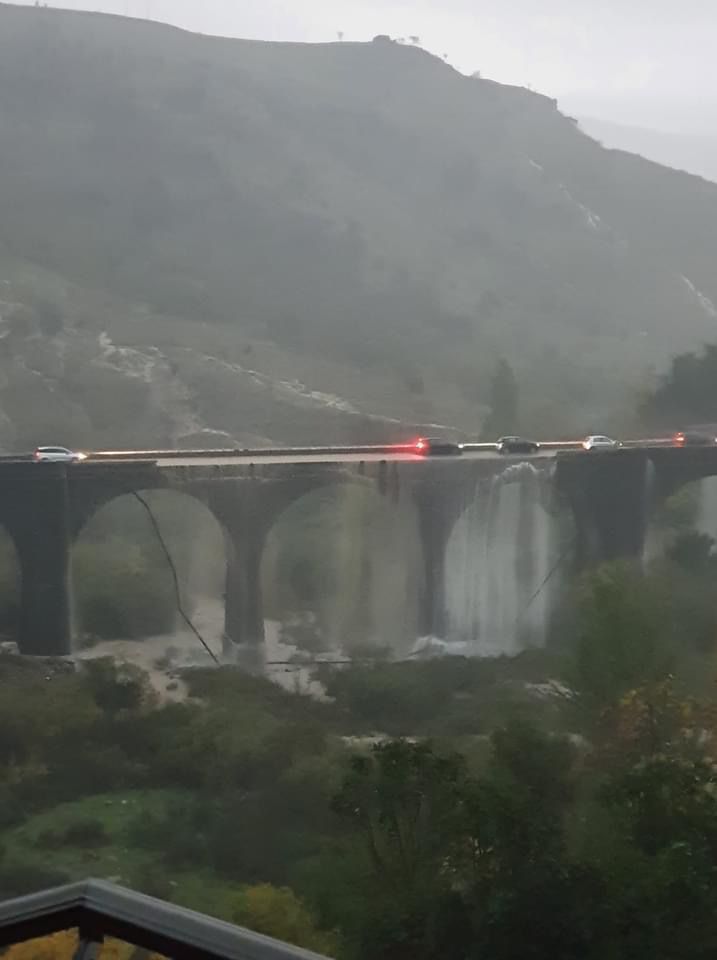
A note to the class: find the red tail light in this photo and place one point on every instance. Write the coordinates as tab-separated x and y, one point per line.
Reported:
679	438
421	445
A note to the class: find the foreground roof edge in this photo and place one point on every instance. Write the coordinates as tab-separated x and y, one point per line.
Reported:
106	908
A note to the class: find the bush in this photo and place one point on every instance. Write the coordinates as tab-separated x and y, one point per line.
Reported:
115	688
452	696
278	912
88	833
18	877
152	880
49	839
176	833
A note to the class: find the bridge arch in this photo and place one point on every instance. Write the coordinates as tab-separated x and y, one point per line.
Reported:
340	569
122	579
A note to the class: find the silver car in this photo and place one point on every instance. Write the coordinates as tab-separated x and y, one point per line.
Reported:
57	455
597	442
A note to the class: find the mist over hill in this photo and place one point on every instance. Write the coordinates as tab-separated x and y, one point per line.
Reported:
284	241
693	153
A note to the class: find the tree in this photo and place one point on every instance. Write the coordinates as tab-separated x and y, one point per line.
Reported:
530	899
654	720
693	552
679	513
407	802
621	642
525	796
503	402
662	882
408	806
686	393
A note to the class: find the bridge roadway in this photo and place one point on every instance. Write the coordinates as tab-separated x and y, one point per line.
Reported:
395	453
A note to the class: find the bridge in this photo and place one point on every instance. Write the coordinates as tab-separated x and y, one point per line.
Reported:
45	506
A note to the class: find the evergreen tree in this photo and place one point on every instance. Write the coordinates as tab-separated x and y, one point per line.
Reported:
503	415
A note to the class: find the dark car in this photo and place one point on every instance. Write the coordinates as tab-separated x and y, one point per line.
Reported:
694	437
434	447
517	445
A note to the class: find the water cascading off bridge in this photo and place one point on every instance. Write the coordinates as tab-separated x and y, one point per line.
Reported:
499	564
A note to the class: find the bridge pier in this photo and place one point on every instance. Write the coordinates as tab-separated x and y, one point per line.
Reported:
437	509
246	513
243	603
610	498
433	613
40	528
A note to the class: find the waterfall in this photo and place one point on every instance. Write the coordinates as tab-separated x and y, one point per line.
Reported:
497	563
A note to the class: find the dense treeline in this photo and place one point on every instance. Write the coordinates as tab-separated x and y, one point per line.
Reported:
684	395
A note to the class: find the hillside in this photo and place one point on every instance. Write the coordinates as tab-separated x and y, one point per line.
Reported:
281	241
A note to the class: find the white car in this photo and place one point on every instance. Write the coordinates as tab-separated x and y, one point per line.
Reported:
57	455
599	443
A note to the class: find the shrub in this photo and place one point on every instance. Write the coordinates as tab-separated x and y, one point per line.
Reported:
17	877
278	912
49	839
87	833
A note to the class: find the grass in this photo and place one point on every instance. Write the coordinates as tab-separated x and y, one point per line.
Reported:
117	860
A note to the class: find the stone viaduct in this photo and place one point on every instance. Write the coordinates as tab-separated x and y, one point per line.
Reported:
44	507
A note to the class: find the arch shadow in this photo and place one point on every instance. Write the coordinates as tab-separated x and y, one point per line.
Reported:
340	572
124	560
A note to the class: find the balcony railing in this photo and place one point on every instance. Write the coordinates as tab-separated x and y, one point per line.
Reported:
99	910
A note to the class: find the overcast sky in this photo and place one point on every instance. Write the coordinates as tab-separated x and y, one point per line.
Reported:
650	62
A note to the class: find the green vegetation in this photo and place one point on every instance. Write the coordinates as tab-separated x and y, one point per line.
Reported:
501	811
684	396
451	697
555	806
